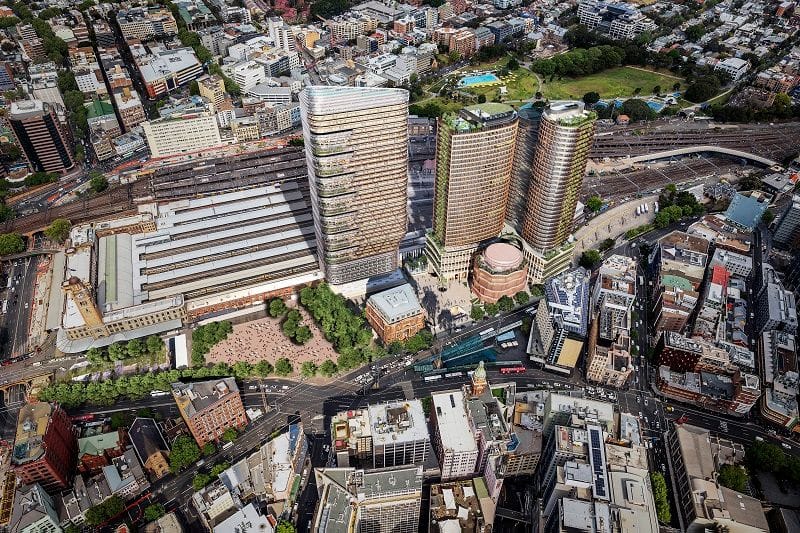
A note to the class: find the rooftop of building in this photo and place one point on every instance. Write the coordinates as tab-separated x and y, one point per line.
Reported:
31	504
32	425
584	516
146	438
678	241
396	304
502	257
245	519
97	444
481	116
453	421
568	113
193	398
746	209
167	63
568	296
22	109
458	502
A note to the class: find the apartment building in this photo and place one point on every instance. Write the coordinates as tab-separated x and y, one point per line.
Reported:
787	230
45	447
130	108
470	199
609	359
212	88
44	141
190	130
142	24
209	408
775	307
356	149
618	20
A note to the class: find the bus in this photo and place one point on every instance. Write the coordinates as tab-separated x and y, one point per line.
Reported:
486	332
5	306
512	370
454	374
157	393
433	378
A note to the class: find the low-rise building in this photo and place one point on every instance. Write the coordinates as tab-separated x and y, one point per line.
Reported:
779	375
34	511
141	23
150	447
97	451
190	130
395	314
463	506
734	67
499	270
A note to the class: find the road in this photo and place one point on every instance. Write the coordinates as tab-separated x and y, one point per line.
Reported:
16	320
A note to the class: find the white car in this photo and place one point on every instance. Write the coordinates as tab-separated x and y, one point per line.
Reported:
786	446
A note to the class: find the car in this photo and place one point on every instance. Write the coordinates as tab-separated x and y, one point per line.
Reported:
786	446
759	439
252	387
669	408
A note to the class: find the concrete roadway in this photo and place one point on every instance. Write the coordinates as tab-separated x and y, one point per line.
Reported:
19	297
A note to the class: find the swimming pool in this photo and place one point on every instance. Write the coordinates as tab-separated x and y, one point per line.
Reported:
655	106
478	79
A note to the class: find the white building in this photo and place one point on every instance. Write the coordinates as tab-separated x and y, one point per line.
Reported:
734	67
188	132
248	74
455	444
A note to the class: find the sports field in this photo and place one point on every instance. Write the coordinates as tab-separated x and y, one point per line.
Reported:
611	83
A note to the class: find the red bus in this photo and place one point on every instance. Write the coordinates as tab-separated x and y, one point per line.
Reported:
512	370
83	418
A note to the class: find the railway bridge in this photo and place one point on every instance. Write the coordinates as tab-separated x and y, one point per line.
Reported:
704	148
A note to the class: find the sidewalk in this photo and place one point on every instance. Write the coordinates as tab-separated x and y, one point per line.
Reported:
41	299
613	224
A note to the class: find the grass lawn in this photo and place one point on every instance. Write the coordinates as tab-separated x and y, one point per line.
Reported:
450	106
521	85
611	83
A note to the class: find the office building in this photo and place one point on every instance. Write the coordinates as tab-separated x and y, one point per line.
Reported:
618	20
702	502
698	372
566	131
609	359
130	108
142	24
382	435
779	378
522	167
45	447
395	314
34	511
775	306
164	71
212	88
191	130
209	408
44	141
561	325
679	262
787	231
474	154
378	501
356	148
454	442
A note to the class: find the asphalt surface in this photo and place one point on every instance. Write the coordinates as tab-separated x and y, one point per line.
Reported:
16	320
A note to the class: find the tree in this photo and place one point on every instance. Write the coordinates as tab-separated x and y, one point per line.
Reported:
476	313
676	86
591	98
276	307
481	98
594	204
209	448
693	33
285	527
589	259
505	304
194	88
200	480
768	217
512	64
283	367
657	90
296	141
97	181
308	369
734	477
11	243
154	511
59	229
302	335
637	110
491	309
765	457
660	497
230	435
105	511
327	368
522	297
263	369
119	420
184	452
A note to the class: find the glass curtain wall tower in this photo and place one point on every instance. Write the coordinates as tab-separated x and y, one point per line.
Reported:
356	142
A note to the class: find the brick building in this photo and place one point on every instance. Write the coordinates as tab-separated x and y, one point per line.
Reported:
210	407
45	447
395	314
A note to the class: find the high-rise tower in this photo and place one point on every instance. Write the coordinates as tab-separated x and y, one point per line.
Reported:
524	152
474	154
566	130
356	147
40	136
